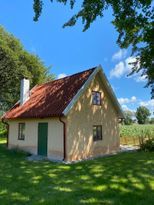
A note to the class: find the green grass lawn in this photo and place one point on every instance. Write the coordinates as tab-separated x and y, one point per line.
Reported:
126	178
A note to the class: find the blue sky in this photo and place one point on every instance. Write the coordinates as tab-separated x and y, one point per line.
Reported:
70	50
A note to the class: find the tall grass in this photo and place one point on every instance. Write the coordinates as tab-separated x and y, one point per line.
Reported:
137	131
136	134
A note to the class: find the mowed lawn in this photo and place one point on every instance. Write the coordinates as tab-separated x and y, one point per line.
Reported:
122	179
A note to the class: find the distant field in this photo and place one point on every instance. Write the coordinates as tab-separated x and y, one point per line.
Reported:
130	134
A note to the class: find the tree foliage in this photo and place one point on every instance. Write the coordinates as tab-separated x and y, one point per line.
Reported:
133	20
151	121
16	63
142	114
128	117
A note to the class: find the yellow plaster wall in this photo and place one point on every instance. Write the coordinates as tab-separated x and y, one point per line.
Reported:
80	121
55	136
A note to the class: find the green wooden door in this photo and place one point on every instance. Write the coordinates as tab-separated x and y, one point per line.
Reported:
42	138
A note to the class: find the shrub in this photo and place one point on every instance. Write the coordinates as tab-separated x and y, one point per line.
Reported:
151	121
2	126
147	144
3	130
3	133
17	150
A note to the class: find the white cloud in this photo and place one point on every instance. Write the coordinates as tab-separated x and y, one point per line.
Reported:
61	75
119	55
140	78
123	68
126	108
126	103
149	103
133	99
122	101
118	71
128	63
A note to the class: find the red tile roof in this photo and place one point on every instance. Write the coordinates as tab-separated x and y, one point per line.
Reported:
50	99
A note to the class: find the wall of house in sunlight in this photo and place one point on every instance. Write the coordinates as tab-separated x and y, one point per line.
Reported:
30	143
83	117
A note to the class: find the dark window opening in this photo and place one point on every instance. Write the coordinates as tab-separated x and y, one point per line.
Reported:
97	132
21	131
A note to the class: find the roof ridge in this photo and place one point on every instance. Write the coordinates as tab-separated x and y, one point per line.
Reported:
56	99
93	68
49	103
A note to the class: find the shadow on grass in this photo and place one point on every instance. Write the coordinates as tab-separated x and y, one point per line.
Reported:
125	178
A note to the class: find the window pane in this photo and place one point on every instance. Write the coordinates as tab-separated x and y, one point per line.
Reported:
96	98
21	131
97	132
94	133
94	130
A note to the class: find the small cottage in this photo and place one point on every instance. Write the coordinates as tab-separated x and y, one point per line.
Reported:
68	119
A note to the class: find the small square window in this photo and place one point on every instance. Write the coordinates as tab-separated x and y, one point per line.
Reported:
96	98
21	131
97	132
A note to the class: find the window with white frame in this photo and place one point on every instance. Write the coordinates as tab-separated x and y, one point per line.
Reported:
96	98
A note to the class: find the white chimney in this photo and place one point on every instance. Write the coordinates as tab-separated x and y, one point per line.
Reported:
24	91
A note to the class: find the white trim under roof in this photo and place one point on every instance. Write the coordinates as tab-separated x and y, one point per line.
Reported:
87	83
111	93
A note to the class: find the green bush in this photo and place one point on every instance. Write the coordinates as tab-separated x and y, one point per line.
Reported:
2	126
3	133
3	130
147	145
17	150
